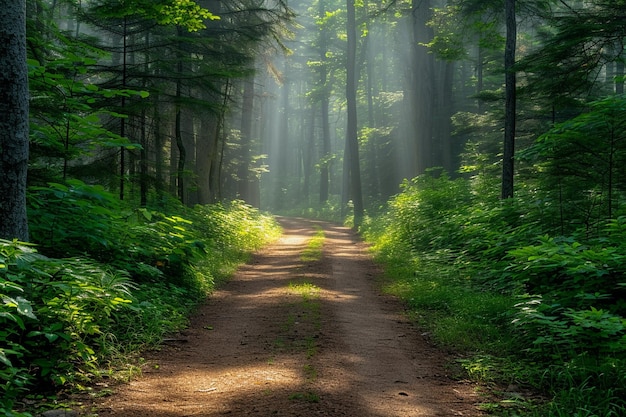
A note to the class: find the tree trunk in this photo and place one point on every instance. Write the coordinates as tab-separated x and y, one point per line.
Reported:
352	143
182	155
207	143
307	152
123	105
206	152
13	121
283	156
243	171
159	155
443	126
509	112
324	107
619	74
188	132
217	153
422	86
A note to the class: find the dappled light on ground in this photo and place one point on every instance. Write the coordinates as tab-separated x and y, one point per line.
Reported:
288	337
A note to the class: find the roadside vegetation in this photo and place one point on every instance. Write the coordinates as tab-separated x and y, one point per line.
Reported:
534	304
103	282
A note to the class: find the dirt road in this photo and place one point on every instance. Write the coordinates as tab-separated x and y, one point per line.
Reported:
295	337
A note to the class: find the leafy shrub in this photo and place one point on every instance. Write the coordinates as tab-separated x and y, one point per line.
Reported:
74	219
55	315
575	273
483	275
61	319
558	333
579	306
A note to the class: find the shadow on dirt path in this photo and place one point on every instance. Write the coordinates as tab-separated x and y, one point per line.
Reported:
289	336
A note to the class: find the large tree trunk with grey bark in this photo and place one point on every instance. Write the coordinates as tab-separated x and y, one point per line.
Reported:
13	120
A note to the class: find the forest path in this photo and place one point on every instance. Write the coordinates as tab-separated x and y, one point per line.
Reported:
294	337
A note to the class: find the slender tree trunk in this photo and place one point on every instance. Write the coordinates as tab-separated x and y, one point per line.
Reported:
509	113
159	159
326	150
178	134
217	153
182	154
243	171
444	113
324	108
423	76
479	78
13	121
143	152
143	161
282	152
307	154
206	151
173	163
123	120
619	74
352	143
189	136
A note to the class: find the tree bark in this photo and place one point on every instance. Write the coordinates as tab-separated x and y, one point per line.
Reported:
352	143
159	154
324	105
206	155
13	120
123	106
182	154
243	173
509	112
423	74
208	135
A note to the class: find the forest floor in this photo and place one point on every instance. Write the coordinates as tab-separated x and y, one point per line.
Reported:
287	336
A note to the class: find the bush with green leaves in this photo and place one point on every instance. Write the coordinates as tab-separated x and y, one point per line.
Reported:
75	218
102	281
55	315
446	219
483	276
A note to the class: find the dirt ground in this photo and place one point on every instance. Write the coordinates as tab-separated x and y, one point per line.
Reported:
291	337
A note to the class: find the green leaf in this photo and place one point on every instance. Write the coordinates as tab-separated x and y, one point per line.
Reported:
24	308
3	357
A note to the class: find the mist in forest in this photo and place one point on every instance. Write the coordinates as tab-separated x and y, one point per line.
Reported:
404	99
287	105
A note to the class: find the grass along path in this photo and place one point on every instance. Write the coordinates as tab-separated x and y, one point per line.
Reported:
292	335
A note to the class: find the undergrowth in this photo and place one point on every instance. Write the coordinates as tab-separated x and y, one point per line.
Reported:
103	281
521	304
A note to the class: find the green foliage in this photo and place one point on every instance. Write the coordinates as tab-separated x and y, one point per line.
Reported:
426	211
584	389
55	315
186	13
558	333
482	276
76	218
183	13
582	164
67	111
107	281
578	274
